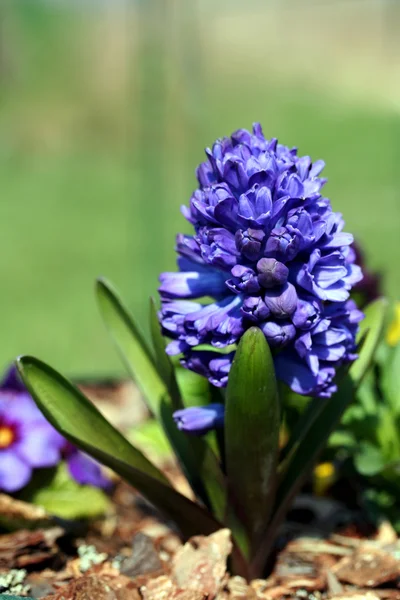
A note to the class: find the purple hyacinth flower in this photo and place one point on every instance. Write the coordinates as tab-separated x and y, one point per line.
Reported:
197	420
28	441
269	251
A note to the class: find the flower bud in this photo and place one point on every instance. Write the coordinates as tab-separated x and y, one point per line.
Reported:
278	335
271	272
198	420
249	242
282	301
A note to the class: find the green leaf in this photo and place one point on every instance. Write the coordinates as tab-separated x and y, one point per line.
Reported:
371	331
302	461
131	346
252	419
319	425
198	462
74	416
150	438
191	518
195	455
80	422
342	439
65	498
300	430
159	387
185	387
369	460
315	440
388	434
390	380
367	394
195	389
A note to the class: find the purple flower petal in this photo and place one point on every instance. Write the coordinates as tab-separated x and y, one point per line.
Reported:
198	420
192	284
86	471
14	472
39	446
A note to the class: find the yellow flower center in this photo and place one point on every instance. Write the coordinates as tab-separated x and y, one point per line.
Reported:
6	436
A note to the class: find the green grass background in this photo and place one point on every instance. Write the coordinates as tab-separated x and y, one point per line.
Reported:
104	117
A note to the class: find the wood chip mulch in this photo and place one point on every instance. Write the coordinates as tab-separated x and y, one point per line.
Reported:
132	555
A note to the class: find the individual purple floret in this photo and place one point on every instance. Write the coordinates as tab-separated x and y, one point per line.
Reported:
270	252
28	441
200	419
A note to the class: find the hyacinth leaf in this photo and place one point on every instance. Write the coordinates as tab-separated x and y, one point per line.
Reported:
163	361
195	389
370	331
190	517
319	428
150	438
302	461
300	430
159	387
74	416
195	455
198	462
252	419
131	346
80	422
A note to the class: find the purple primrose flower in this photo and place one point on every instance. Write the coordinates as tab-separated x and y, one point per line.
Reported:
83	468
28	441
270	252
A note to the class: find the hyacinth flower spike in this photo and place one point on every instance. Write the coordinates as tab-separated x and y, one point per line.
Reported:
271	252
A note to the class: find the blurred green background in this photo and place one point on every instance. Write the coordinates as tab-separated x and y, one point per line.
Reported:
106	107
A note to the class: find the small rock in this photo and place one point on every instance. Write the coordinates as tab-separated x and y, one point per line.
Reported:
144	558
368	568
201	563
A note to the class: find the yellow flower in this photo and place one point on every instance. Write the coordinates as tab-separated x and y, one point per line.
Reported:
393	332
323	477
